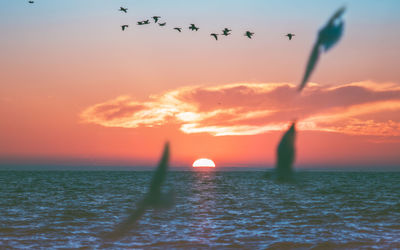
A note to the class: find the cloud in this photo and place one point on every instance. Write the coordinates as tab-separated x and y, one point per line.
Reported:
360	108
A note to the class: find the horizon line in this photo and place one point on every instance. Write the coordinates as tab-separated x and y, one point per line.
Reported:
301	168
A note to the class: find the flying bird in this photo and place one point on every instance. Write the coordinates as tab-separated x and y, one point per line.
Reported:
226	32
123	9
31	2
178	29
249	34
328	36
162	24
143	22
123	27
214	35
156	18
153	199
286	154
193	27
290	35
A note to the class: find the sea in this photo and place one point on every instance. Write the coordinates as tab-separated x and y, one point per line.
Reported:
212	210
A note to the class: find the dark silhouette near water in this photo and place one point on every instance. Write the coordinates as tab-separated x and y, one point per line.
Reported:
123	9
162	24
328	36
178	29
193	27
123	27
226	32
214	35
31	2
290	35
249	34
153	199
286	155
156	18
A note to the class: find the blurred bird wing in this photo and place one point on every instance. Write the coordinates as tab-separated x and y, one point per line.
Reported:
286	154
338	14
330	35
128	224
160	173
312	61
158	178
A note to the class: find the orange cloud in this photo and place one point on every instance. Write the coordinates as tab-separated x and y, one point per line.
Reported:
254	108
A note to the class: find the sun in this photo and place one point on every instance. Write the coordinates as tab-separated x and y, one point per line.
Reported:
203	163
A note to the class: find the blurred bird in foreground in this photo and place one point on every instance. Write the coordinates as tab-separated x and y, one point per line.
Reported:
286	155
162	24
328	36
178	29
153	199
123	27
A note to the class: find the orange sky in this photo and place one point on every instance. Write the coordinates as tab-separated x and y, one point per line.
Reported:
75	89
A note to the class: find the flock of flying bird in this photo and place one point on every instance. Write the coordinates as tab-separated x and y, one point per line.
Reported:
192	27
327	37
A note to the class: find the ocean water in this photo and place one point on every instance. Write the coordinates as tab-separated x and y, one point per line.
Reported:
321	210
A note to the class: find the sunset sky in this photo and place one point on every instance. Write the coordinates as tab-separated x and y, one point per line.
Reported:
76	90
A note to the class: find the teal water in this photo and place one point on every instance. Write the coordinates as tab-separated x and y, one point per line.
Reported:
212	210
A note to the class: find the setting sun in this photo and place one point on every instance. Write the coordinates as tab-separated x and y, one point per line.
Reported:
203	163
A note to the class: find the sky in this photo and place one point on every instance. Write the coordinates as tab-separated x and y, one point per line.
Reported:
76	90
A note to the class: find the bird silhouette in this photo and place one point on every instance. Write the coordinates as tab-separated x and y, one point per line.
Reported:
143	22
156	18
286	155
226	32
249	34
123	27
290	35
162	24
193	27
328	36
214	35
178	29
123	9
30	2
153	199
